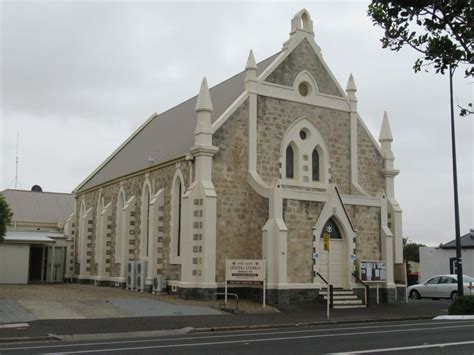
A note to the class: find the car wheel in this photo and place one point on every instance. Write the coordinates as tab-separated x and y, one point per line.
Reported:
454	296
414	294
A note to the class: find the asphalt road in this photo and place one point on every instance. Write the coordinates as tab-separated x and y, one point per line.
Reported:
408	337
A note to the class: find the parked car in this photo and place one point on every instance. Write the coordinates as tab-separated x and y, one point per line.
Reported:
441	286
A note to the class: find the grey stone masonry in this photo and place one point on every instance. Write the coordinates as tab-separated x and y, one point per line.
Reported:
304	58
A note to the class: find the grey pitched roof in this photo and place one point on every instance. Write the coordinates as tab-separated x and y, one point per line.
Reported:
169	135
467	241
30	206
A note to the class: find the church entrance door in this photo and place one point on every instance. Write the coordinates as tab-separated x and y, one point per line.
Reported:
337	252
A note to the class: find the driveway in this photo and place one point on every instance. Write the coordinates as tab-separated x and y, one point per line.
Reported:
22	303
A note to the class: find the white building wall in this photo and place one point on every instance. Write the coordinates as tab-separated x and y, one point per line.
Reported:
435	261
14	263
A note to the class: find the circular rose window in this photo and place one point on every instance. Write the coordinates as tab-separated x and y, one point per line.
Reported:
304	88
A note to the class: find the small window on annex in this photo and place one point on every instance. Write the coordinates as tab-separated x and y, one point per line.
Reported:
290	162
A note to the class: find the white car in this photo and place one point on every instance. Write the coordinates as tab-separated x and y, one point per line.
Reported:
441	286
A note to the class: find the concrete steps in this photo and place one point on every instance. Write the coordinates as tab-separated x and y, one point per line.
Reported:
343	299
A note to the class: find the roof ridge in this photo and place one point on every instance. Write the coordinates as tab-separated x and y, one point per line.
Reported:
39	192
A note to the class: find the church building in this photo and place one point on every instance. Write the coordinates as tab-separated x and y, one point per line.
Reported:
261	166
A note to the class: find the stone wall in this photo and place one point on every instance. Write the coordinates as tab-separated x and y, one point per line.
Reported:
366	221
300	218
371	163
241	212
159	178
274	116
304	58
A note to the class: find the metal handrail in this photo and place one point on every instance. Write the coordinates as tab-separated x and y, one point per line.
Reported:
330	290
214	298
322	278
365	285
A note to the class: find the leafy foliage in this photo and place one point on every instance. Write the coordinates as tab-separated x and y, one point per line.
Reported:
5	216
440	30
411	251
462	306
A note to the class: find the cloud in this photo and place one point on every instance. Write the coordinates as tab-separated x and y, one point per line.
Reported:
79	77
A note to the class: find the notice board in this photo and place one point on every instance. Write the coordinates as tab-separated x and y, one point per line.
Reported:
373	271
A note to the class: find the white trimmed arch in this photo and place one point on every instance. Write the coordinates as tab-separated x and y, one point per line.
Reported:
145	230
304	137
120	228
177	192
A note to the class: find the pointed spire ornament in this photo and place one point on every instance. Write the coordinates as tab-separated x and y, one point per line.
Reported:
385	131
351	86
251	64
204	102
251	68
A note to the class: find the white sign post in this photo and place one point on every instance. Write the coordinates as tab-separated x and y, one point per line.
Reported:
246	272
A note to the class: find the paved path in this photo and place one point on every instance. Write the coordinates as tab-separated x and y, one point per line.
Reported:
12	312
23	303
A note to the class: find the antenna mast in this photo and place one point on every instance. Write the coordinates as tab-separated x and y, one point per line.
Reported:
16	162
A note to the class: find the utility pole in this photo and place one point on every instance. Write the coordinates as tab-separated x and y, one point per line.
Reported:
16	159
455	185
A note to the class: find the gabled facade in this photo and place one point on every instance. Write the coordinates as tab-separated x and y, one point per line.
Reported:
262	164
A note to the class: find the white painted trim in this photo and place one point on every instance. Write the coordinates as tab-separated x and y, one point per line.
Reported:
318	196
334	208
314	140
291	94
115	152
228	112
147	186
174	258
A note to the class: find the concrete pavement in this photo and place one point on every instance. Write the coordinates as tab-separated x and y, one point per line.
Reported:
310	313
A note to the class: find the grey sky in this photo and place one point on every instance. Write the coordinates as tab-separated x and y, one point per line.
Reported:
78	77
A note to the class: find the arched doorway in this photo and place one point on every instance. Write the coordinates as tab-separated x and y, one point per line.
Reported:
337	251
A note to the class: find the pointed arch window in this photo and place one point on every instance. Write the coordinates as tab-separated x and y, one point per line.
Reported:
290	162
315	165
332	229
145	233
176	213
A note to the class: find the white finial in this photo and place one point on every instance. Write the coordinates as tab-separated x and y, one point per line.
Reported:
302	22
385	131
351	86
204	102
251	64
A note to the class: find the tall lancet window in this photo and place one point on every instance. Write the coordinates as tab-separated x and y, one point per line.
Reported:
147	226
180	201
315	165
176	213
145	233
290	162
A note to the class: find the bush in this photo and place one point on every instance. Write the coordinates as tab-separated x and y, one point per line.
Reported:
462	306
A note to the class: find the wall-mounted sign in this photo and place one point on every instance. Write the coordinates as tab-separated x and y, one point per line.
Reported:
326	237
373	271
245	271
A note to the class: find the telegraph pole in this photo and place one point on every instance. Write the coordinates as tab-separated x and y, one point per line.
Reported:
455	185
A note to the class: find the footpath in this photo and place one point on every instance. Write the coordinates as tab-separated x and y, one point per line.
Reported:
303	314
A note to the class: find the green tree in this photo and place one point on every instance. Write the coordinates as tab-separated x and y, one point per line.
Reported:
441	31
411	250
5	217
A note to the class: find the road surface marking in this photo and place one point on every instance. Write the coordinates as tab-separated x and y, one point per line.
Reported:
260	340
441	345
229	335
